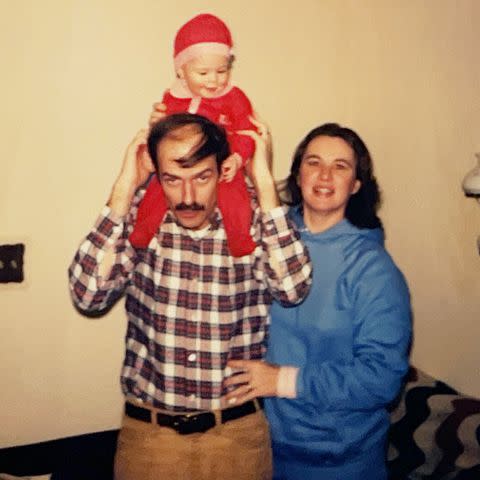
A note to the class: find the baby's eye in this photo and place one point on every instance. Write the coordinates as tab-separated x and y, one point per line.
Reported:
202	73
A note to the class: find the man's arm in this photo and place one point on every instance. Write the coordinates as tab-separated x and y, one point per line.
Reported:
259	168
100	269
287	263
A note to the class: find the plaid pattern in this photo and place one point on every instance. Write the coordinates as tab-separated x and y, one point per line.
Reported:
191	306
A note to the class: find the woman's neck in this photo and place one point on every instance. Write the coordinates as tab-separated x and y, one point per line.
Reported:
317	223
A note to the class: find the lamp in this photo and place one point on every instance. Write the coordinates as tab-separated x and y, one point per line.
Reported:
471	182
471	186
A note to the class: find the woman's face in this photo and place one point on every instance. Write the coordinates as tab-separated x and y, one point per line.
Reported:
327	179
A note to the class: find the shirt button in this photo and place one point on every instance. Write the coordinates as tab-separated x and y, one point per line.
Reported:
192	357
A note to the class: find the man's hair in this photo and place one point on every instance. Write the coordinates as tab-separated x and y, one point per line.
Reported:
179	126
362	206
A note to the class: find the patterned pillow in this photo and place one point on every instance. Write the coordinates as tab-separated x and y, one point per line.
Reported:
435	432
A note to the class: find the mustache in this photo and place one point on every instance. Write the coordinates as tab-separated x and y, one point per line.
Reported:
189	206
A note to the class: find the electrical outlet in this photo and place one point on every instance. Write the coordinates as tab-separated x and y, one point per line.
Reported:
11	263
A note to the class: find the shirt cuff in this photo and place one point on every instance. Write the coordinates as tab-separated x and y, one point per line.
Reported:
107	229
287	382
275	222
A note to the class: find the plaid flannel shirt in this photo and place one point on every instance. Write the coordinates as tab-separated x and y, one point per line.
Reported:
190	305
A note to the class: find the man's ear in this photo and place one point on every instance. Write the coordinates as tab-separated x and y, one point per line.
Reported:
180	73
145	160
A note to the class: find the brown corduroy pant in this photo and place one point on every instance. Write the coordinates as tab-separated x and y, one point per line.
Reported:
236	450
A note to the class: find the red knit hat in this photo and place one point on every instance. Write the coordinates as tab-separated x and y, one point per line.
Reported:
204	33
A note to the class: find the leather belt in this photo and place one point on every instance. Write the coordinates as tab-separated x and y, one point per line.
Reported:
191	423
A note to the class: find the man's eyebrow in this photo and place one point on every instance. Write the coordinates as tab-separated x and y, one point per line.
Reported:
199	174
169	175
204	171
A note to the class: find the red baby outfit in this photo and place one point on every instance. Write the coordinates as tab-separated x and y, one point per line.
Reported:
232	110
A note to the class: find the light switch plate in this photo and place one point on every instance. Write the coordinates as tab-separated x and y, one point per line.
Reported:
11	263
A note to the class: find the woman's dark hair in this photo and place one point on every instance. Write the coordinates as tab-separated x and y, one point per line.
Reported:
178	126
362	206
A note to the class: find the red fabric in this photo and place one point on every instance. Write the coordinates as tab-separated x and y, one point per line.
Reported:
150	214
232	111
200	29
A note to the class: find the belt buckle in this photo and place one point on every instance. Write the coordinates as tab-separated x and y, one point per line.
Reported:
194	423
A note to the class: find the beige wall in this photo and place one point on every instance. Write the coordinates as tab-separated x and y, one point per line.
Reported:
78	79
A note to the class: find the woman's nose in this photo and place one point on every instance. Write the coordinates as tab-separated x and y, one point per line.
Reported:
325	172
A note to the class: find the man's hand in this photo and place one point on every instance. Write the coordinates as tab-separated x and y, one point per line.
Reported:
259	167
136	168
159	111
264	132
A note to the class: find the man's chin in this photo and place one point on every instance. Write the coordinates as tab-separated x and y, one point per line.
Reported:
191	220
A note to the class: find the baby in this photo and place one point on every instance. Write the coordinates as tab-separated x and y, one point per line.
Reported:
203	58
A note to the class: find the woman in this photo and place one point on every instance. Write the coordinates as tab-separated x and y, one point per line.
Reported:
336	361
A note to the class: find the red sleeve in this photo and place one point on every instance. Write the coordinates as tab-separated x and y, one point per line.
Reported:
239	111
173	104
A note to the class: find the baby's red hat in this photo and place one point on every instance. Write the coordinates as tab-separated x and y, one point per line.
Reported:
203	34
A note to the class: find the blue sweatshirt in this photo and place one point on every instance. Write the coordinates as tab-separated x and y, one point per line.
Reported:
350	340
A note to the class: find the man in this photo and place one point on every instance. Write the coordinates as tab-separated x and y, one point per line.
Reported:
191	306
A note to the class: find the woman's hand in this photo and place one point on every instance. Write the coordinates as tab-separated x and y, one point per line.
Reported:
252	378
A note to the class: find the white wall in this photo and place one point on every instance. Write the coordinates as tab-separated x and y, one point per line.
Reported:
78	79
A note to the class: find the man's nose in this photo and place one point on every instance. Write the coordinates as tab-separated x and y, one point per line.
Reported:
188	193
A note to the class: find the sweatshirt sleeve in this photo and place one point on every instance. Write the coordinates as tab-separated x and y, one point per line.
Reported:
381	339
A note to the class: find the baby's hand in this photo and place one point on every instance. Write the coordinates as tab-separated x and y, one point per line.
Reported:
230	167
158	112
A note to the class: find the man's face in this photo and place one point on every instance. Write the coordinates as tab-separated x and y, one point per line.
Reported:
191	192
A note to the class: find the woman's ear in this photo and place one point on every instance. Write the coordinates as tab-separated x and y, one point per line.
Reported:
356	186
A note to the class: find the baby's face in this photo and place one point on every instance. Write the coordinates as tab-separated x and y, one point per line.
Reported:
206	76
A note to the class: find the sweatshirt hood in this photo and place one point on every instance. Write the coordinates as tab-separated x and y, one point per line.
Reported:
343	230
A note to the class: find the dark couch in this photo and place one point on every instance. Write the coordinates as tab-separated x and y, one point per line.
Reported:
435	432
